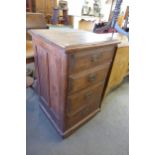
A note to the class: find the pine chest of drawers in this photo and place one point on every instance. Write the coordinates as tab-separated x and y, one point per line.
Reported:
72	70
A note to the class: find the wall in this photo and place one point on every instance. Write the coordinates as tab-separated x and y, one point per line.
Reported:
75	7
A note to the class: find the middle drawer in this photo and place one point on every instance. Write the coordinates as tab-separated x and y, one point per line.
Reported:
85	79
91	95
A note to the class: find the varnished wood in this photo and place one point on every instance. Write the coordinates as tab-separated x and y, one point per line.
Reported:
45	6
51	80
88	96
77	117
87	78
87	59
71	129
120	68
28	5
71	95
70	39
29	52
86	25
33	21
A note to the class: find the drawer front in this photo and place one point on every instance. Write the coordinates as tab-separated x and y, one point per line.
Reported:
74	119
85	97
85	79
86	59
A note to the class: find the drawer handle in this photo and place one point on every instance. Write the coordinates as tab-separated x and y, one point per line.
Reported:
88	95
95	57
92	77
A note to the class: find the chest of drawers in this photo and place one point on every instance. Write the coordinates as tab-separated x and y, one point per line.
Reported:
72	69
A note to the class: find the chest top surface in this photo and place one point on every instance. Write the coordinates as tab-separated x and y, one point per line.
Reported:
70	38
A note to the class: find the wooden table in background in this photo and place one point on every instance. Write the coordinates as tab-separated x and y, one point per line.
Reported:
120	68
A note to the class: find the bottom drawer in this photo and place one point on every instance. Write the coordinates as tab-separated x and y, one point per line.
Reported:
73	119
83	98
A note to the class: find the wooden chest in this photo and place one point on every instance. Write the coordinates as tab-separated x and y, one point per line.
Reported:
72	69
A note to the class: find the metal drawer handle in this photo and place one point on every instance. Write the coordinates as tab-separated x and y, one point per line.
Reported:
92	77
95	57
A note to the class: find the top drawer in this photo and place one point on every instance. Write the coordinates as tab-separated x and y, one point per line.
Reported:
88	58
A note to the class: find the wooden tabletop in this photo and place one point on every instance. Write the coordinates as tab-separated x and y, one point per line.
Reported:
70	38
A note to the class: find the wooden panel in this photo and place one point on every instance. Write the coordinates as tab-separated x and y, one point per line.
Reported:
87	25
43	73
73	119
48	7
87	96
88	58
35	21
56	76
119	69
52	72
28	5
85	79
45	6
40	6
72	40
29	52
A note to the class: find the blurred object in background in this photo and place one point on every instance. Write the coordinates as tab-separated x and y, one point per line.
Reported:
55	16
126	20
60	14
86	8
63	5
96	8
30	6
121	19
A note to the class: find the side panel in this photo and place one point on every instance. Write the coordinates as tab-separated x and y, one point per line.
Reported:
51	67
42	56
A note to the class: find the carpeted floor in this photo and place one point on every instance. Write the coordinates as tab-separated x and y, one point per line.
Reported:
106	134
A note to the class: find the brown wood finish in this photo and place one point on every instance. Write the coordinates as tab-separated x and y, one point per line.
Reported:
53	92
72	40
87	96
85	79
73	119
45	6
28	5
33	21
86	25
29	52
91	58
71	94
